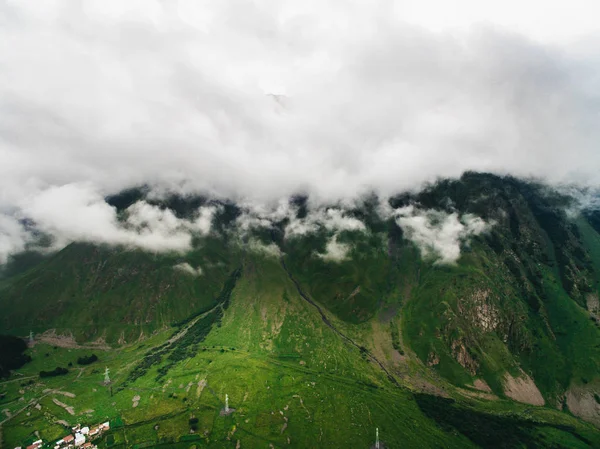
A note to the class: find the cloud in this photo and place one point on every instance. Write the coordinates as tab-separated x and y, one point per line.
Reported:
331	219
78	213
13	237
258	101
270	250
335	251
187	268
438	234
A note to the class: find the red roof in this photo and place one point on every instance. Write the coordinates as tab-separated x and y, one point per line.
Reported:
68	438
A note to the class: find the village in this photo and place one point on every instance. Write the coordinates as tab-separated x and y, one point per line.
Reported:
78	438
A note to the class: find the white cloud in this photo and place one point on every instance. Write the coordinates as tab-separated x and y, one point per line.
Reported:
13	237
335	251
258	101
271	250
331	219
187	268
78	213
437	233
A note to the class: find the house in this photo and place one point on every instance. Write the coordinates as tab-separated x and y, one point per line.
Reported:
94	431
104	426
84	430
35	444
79	439
68	439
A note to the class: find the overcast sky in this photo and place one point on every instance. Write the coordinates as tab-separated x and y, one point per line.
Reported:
263	99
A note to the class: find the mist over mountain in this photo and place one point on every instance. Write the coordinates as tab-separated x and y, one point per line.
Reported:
258	103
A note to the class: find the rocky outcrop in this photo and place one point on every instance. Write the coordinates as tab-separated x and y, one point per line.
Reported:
522	389
462	356
583	402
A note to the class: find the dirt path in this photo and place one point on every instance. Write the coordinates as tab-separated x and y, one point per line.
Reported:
338	332
18	380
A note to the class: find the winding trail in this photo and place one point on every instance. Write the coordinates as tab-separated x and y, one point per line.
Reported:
337	331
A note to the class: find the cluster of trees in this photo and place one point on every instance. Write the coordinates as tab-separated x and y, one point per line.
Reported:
87	360
58	371
12	354
187	345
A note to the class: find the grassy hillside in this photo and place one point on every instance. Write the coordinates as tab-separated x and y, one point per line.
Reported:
111	293
292	381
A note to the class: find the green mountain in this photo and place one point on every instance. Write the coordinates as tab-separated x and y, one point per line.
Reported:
499	349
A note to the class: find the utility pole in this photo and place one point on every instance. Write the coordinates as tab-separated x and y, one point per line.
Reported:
226	403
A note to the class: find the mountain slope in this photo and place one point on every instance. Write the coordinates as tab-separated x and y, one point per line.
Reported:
280	319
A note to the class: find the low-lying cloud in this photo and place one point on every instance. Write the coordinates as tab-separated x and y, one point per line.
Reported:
335	251
259	101
187	268
439	234
77	213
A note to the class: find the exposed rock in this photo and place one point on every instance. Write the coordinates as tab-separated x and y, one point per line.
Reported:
522	389
481	385
201	385
582	402
433	359
462	356
70	410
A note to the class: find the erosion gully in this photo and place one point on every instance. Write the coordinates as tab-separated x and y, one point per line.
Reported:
336	330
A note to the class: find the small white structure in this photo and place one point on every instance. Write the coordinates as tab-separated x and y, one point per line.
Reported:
104	426
79	439
226	403
84	430
106	376
377	437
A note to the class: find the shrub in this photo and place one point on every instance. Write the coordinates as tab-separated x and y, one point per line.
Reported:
58	371
87	360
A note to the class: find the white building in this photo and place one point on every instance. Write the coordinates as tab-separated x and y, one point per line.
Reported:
79	439
84	430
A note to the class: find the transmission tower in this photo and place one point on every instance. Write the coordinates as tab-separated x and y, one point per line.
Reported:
106	376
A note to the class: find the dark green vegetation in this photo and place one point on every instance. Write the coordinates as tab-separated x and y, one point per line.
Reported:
58	371
488	430
315	353
87	360
12	354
